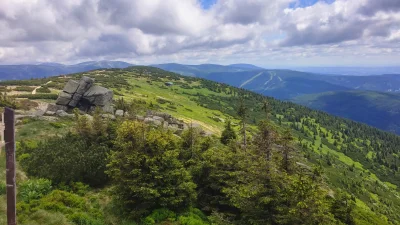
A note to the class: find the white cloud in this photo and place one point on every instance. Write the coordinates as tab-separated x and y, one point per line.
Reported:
254	31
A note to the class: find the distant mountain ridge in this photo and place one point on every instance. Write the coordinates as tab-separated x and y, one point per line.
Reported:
19	72
203	70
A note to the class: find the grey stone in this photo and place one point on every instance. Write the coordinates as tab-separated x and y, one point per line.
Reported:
50	113
99	96
24	116
38	113
139	118
84	84
148	120
108	116
75	100
158	118
62	113
63	98
84	95
119	113
54	107
71	86
157	122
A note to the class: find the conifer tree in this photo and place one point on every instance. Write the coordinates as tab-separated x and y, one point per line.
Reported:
228	134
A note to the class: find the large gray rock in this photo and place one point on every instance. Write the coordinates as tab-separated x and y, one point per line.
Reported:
98	96
86	96
71	86
64	98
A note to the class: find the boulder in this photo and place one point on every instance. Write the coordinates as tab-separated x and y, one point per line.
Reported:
38	113
119	113
62	113
64	98
158	118
54	107
108	116
71	86
86	96
50	113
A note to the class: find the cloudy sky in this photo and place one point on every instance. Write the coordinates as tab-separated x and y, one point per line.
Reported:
262	32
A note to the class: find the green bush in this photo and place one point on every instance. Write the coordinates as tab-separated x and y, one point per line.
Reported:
159	215
43	90
33	189
74	207
3	188
72	158
81	218
38	96
24	88
193	217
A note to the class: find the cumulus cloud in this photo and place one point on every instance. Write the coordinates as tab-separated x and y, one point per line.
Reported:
144	31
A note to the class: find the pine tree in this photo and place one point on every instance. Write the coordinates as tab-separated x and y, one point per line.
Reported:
228	134
242	112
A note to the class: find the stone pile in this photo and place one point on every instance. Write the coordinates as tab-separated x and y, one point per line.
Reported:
85	96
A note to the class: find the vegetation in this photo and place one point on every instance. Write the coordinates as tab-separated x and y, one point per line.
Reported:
299	166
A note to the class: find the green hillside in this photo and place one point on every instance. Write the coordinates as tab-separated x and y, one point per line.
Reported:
381	110
341	172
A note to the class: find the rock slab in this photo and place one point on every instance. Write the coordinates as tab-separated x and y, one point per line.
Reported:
86	96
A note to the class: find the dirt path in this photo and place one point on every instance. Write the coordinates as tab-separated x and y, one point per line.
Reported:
34	90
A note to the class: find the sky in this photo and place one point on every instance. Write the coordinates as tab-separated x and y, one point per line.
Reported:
269	33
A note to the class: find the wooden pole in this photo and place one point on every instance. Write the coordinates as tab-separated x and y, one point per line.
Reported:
9	137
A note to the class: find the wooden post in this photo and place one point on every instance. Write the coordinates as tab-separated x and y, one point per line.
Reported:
9	137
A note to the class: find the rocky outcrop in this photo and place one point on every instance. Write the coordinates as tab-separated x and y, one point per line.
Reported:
83	94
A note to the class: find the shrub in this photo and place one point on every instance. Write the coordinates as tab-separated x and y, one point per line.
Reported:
38	96
159	215
74	207
34	189
68	159
24	88
43	90
3	188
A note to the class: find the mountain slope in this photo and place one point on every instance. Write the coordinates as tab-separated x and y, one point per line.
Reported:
381	110
19	72
381	83
281	84
356	158
203	70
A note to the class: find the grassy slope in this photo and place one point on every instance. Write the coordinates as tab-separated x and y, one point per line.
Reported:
381	110
376	200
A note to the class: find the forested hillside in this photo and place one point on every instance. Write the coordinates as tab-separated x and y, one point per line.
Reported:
258	160
381	110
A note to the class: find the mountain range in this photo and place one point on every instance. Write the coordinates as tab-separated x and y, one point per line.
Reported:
19	72
369	99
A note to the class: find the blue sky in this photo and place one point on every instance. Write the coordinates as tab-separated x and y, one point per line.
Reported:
206	4
306	3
